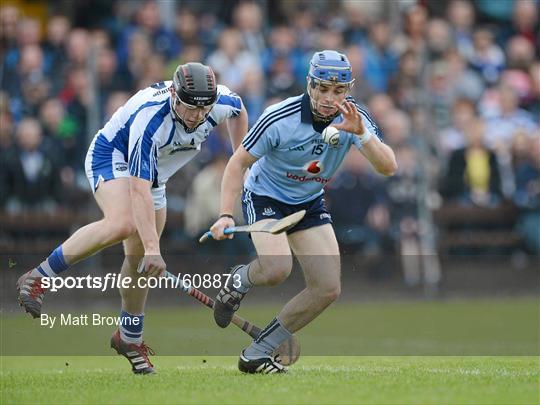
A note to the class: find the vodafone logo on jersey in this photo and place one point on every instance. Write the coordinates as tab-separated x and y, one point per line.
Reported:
314	167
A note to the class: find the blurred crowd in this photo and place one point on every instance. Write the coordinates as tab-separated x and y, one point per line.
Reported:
454	86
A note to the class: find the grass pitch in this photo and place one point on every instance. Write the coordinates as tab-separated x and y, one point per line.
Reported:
382	380
377	353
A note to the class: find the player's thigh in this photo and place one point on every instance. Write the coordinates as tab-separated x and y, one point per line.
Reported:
113	198
317	251
273	251
133	246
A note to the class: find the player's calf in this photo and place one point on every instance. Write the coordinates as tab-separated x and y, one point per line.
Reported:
231	295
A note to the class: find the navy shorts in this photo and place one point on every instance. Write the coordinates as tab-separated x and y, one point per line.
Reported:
256	207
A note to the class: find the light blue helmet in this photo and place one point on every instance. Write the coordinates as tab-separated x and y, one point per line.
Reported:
330	66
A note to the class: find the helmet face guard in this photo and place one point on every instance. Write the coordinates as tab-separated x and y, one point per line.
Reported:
195	88
329	68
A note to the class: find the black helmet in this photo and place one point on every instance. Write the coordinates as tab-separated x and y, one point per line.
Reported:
195	84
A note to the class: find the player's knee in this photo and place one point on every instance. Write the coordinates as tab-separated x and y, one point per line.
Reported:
121	230
277	269
330	293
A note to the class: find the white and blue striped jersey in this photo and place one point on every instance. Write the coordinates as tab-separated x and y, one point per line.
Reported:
294	162
143	137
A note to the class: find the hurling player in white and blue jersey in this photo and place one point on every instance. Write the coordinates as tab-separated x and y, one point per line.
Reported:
145	142
290	164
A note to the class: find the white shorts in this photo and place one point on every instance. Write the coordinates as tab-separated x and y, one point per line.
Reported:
105	163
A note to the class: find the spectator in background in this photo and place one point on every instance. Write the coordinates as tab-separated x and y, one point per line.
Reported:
153	72
461	15
210	28
6	124
534	102
31	178
303	23
330	38
148	23
116	100
524	23
108	78
438	38
357	22
139	51
54	47
281	80
453	137
78	48
440	95
527	195
380	60
247	18
464	82
30	86
61	130
379	105
254	94
6	142
362	89
507	119
413	37
26	40
190	52
405	87
9	20
282	44
230	61
473	172
519	53
203	201
487	57
77	97
186	28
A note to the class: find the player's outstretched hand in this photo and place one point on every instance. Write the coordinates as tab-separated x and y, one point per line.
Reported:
154	265
219	226
352	120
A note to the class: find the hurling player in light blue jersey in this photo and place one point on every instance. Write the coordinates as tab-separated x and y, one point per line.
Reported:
290	164
145	142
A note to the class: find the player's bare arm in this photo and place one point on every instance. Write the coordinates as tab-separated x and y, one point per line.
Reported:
145	221
237	128
231	186
381	156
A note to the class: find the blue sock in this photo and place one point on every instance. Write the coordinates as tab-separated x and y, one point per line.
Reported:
270	338
53	265
131	327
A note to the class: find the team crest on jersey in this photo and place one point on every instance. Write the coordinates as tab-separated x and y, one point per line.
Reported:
314	167
268	212
121	166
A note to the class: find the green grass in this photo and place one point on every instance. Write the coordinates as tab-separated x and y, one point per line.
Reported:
487	327
383	380
430	352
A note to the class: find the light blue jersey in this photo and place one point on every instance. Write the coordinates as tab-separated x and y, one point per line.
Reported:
294	162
